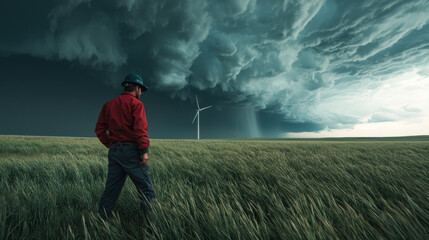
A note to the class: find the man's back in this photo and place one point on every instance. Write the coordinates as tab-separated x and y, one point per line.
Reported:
124	118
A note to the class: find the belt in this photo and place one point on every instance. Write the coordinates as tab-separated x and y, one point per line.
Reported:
120	143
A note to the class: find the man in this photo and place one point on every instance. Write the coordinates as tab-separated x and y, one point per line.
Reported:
122	127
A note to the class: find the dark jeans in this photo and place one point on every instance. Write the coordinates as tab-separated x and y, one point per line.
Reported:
124	160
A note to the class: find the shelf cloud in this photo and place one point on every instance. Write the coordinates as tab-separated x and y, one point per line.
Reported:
288	57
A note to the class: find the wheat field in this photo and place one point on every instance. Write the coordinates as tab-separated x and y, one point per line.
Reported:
220	189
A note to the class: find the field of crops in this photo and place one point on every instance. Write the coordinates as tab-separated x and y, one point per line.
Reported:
220	189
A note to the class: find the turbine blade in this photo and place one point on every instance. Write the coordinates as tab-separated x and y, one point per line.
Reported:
205	108
198	105
195	116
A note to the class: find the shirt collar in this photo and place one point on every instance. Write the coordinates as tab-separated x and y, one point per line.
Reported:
128	93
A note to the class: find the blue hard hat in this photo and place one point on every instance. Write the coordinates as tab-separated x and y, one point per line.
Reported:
136	79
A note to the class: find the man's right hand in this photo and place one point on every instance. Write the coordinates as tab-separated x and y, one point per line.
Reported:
145	158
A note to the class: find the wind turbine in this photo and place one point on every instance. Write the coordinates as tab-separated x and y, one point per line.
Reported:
198	115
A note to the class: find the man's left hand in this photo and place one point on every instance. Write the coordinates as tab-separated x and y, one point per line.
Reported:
145	159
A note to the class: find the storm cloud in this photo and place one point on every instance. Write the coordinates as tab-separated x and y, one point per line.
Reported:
293	58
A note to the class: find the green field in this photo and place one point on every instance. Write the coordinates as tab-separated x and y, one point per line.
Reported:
221	189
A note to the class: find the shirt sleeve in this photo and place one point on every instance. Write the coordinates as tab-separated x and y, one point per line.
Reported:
101	128
140	127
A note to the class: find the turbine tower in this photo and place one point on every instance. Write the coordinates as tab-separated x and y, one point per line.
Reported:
198	115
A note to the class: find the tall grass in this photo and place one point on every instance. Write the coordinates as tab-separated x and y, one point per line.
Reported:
220	189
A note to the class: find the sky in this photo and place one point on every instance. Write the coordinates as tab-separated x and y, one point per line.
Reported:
317	68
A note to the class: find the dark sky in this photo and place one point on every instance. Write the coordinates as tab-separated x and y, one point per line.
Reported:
269	68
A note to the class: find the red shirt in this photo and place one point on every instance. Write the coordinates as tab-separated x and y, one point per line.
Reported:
123	119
